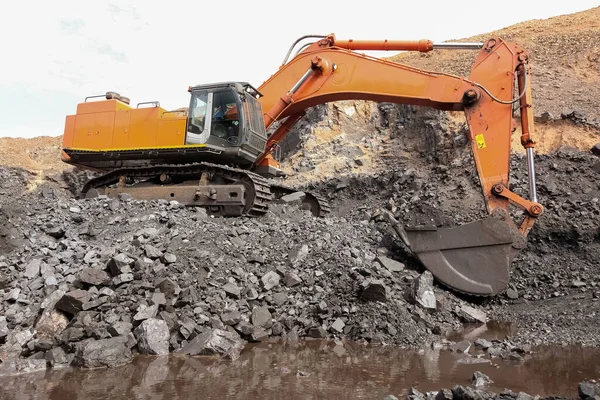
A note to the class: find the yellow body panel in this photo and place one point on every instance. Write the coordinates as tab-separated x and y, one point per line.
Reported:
113	125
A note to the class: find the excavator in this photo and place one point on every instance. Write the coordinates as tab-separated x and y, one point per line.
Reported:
217	153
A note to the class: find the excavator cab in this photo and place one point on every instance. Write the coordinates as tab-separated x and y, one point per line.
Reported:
228	119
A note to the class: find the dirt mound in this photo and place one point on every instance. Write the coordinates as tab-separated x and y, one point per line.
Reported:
564	54
36	154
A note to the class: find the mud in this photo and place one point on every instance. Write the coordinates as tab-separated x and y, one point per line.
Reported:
310	370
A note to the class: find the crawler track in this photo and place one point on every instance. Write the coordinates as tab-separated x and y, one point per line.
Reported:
260	186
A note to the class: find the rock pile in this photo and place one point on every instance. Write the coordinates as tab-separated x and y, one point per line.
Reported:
96	280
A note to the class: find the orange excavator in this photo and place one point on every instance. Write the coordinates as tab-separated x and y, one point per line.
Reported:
217	153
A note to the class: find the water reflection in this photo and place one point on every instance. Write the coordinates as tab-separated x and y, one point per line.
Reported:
308	370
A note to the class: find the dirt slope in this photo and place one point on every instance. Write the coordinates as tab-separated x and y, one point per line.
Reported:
35	154
565	60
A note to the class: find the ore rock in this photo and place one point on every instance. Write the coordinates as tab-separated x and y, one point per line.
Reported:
215	342
153	337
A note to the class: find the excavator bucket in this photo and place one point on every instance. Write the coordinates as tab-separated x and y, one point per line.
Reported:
473	258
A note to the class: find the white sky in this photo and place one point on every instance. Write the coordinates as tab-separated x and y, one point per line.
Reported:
55	53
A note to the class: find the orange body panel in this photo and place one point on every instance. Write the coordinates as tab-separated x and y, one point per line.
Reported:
69	131
170	131
121	132
142	128
112	125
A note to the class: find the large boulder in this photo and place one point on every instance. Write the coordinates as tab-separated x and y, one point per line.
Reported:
102	353
153	337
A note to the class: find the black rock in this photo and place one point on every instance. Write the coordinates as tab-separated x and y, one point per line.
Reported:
374	290
33	268
102	353
231	318
261	317
72	335
483	343
245	328
168	287
119	264
57	357
256	258
232	290
120	328
291	279
588	390
145	312
56	232
280	298
319	333
480	380
152	337
168	258
72	301
596	149
465	393
390	265
213	342
421	291
259	334
270	280
444	394
169	318
186	327
414	394
152	252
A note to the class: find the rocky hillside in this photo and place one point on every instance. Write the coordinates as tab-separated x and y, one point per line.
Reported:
565	61
363	137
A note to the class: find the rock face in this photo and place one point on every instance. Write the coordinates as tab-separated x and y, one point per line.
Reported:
102	353
215	342
153	337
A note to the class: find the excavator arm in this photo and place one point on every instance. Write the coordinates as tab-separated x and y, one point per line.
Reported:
473	258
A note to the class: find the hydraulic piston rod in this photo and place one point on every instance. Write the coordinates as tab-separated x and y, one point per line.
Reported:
457	46
423	45
286	99
531	173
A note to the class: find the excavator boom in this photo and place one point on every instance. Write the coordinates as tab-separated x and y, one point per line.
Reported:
473	258
182	154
